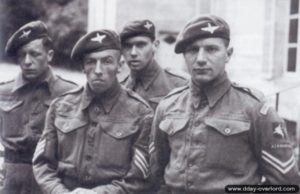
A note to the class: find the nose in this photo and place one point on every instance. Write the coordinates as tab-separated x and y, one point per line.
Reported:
98	69
133	51
27	60
201	58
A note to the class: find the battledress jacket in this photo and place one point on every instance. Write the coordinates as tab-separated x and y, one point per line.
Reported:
224	134
99	144
23	107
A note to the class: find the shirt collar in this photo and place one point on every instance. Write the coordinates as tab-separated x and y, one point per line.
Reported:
213	91
107	99
147	75
49	79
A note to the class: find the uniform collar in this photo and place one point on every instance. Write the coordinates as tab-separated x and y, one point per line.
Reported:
107	99
49	79
212	91
147	75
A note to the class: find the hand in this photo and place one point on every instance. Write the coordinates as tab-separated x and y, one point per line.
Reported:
83	191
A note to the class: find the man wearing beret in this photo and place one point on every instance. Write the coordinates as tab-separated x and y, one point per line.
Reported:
147	78
213	133
24	102
96	137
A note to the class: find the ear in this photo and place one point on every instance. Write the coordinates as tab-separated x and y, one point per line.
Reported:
119	67
155	45
229	54
50	55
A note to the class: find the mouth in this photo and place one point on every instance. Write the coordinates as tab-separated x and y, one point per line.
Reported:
29	71
98	81
201	70
134	62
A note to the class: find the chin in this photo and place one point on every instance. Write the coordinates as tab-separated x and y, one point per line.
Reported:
202	80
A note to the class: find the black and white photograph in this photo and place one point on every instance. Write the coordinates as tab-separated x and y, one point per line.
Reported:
149	96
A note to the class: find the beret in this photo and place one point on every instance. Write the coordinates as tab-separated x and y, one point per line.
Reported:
207	26
138	28
96	41
27	33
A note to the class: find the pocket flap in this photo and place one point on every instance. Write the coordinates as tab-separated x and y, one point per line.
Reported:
173	125
118	130
10	105
226	126
67	125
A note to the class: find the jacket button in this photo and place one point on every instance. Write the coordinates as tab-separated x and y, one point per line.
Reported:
227	130
97	109
119	134
88	157
94	124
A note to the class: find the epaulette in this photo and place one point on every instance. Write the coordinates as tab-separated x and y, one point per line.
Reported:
258	95
178	74
6	82
176	91
66	80
137	97
73	91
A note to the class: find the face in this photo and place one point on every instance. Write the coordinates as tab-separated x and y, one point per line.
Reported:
34	58
138	52
206	59
101	69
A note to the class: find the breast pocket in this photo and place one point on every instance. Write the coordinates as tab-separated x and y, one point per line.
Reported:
115	145
70	135
8	106
175	127
12	116
227	145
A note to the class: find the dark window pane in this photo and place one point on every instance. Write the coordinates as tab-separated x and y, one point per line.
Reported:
293	31
292	56
294	6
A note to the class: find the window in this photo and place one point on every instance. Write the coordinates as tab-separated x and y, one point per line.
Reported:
292	50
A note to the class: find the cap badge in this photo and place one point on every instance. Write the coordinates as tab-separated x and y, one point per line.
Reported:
148	25
278	131
25	34
210	28
98	38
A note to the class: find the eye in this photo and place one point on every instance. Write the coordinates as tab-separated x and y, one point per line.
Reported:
89	62
192	50
35	54
126	46
108	60
141	44
211	49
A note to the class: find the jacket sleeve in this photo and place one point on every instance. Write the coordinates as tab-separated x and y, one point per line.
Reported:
275	151
45	158
159	153
136	180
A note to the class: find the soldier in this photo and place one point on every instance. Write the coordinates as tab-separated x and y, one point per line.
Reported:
146	77
96	137
212	132
24	102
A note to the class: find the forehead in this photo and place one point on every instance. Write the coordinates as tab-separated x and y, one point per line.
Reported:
35	44
208	42
102	54
136	39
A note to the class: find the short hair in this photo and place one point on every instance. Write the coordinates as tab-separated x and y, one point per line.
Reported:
48	43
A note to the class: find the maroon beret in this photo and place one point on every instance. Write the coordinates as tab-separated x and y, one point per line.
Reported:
96	41
138	28
27	33
202	27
